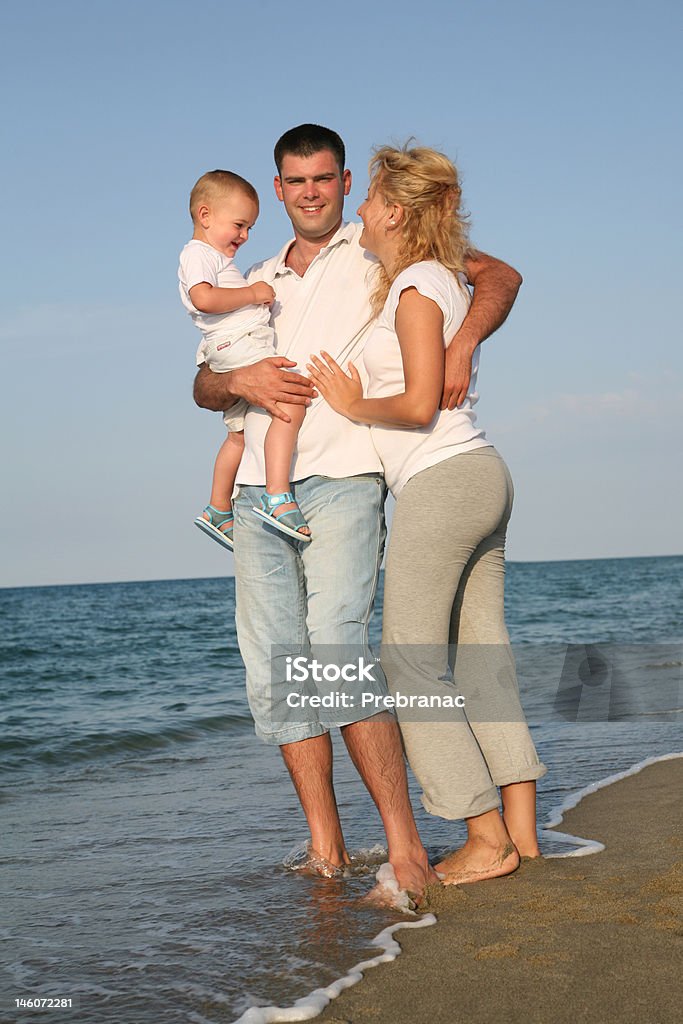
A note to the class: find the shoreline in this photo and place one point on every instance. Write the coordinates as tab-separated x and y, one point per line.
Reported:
560	939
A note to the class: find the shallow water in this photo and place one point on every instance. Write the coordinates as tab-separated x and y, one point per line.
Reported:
144	826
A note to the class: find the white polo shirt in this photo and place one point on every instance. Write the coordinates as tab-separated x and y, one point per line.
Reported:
328	308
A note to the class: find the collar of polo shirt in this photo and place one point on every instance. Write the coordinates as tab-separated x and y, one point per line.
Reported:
346	233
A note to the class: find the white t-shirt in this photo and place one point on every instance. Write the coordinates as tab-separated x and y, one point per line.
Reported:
199	262
405	452
328	308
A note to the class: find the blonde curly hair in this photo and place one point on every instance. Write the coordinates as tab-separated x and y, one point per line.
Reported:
425	184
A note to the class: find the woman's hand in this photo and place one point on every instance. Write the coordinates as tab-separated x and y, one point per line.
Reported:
340	390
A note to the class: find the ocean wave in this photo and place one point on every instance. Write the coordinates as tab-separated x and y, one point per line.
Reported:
19	752
20	652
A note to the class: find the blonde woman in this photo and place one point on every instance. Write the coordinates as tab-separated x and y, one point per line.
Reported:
443	605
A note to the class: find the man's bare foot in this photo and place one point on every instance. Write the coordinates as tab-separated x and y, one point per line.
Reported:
413	877
309	862
478	860
388	895
413	874
406	893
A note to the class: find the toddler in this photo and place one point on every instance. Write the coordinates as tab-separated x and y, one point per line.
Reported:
234	319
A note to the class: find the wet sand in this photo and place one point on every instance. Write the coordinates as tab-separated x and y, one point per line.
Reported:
596	938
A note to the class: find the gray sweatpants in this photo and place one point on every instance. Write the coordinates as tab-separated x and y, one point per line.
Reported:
444	633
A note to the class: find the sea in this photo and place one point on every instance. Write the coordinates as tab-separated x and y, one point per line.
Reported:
147	833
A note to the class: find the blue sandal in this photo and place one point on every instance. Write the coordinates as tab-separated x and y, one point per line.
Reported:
218	526
269	502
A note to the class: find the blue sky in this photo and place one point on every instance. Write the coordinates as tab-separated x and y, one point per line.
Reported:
564	121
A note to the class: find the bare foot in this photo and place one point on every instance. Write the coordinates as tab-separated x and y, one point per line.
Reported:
478	860
309	862
404	891
527	845
414	878
414	874
528	852
390	897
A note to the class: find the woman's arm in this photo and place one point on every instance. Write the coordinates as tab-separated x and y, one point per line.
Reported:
419	326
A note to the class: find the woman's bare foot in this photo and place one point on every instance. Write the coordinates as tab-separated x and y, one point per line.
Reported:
525	849
478	860
523	837
519	816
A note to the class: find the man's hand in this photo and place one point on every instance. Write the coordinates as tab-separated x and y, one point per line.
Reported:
263	293
495	289
457	373
264	384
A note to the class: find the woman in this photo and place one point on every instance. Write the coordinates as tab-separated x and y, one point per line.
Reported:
443	605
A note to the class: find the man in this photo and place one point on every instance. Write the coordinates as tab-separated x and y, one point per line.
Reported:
321	593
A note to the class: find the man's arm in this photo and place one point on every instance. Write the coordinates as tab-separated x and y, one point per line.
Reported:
263	384
495	289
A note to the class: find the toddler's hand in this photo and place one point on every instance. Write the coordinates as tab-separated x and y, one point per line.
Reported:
263	293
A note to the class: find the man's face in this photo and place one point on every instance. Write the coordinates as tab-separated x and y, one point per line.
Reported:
313	189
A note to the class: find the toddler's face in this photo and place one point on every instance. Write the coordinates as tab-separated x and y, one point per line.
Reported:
229	221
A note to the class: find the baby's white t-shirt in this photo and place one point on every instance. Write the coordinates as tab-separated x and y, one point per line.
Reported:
199	262
405	452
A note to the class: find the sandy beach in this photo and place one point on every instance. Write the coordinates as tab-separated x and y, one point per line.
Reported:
594	938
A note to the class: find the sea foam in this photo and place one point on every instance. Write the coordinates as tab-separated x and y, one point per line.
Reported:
311	1005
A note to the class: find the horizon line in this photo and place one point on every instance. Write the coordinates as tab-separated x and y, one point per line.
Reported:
188	579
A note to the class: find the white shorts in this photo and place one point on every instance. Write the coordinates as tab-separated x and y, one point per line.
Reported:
231	353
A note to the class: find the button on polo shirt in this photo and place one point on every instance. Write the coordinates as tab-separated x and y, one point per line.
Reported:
328	308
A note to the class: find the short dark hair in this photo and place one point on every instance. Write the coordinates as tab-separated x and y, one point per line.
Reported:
308	139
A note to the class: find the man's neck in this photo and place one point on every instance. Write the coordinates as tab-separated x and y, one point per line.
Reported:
304	250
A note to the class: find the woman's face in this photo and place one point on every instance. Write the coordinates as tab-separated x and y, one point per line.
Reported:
375	214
